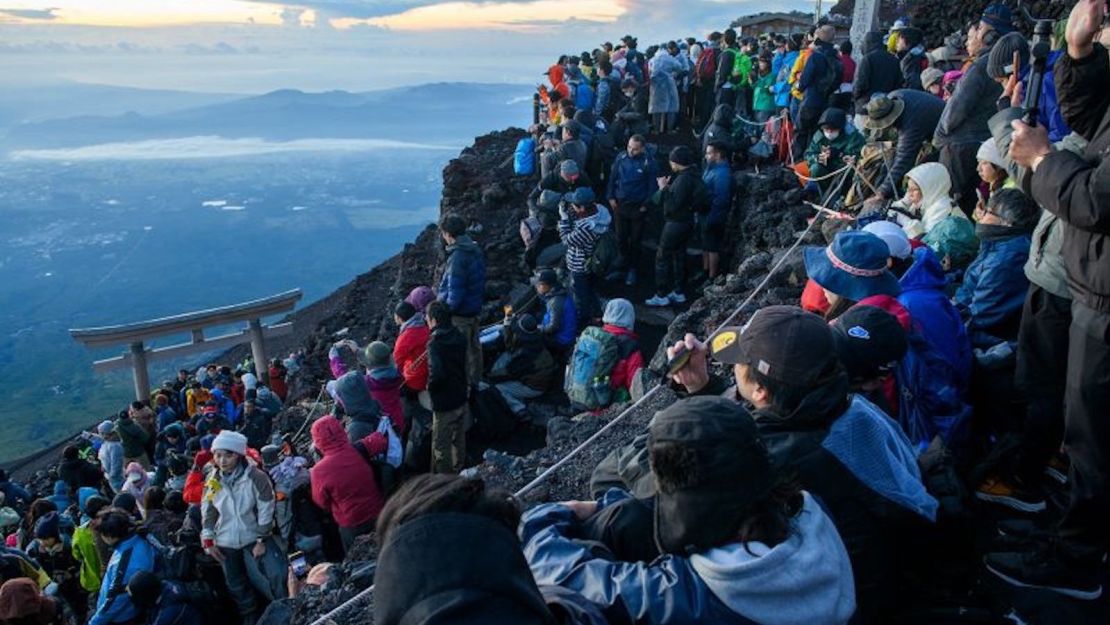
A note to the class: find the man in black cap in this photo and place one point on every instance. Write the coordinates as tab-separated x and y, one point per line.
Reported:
737	543
869	343
682	195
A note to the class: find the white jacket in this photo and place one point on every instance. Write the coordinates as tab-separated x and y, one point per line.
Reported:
237	509
936	205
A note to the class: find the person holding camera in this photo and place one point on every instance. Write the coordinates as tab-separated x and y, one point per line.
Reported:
582	221
1076	187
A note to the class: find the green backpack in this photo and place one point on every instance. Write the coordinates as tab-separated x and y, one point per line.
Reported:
587	381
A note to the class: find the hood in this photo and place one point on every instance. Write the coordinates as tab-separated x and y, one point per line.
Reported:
488	580
924	273
805	579
619	331
384	378
61	488
329	436
353	393
873	41
417	321
174	429
600	220
464	244
620	312
723	114
833	117
935	183
83	495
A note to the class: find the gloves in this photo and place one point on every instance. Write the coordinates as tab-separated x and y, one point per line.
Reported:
208	544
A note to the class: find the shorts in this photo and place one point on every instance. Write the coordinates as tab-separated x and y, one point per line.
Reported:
712	237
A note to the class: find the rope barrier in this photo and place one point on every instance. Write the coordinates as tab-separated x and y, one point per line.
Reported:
821	178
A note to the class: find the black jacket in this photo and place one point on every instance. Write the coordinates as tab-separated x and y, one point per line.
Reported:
555	182
915	127
77	473
1077	189
684	196
912	64
970	108
878	72
447	383
725	60
636	109
720	128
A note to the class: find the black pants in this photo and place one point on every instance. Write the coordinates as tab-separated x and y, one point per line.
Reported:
961	164
1086	523
629	222
726	96
807	125
704	102
1041	375
585	297
670	258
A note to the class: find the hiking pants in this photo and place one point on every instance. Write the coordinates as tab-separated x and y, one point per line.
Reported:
449	440
807	126
585	297
703	106
1085	527
246	575
1041	375
629	223
961	164
515	393
670	258
470	329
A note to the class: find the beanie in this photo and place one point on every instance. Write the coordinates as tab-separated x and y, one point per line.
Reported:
377	354
47	526
619	312
999	17
931	75
1000	63
420	297
228	440
988	151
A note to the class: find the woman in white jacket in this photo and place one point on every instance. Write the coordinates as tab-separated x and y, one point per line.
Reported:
927	212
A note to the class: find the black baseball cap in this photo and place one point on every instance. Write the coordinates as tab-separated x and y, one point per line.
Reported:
869	341
783	343
710	466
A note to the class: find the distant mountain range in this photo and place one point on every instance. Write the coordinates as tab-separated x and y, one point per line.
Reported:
454	111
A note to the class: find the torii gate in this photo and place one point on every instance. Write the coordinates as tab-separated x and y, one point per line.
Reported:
135	334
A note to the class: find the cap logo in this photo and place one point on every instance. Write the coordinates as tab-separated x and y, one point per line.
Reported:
764	367
859	332
722	341
849	269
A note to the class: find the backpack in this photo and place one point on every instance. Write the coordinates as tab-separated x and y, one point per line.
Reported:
595	355
530	229
834	75
524	158
928	405
605	254
583	97
706	68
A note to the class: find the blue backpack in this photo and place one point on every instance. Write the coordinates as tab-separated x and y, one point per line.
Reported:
928	405
587	380
583	97
524	158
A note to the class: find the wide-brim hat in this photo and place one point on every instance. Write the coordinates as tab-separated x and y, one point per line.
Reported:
882	112
854	266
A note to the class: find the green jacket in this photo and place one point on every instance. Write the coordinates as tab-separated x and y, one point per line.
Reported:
741	69
847	144
764	94
85	552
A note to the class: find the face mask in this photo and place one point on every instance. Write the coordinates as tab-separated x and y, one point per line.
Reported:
831	135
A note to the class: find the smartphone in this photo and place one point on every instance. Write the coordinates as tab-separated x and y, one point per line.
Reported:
298	563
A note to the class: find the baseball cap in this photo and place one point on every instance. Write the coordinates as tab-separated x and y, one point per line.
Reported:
783	343
710	466
869	341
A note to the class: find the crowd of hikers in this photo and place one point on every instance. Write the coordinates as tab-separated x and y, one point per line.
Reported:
952	344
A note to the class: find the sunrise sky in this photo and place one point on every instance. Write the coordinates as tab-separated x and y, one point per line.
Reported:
252	46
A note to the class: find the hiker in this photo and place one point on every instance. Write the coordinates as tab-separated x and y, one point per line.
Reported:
581	227
21	601
447	386
631	183
76	472
138	480
663	104
682	195
763	92
351	392
609	98
886	118
718	183
171	443
852	268
910	52
410	349
195	398
737	543
870	343
463	288
559	324
525	370
992	171
994	287
237	519
277	373
726	61
87	547
606	360
256	423
343	481
158	522
383	385
720	129
928	213
134	438
932	81
924	296
843	97
565	179
162	602
131	553
833	143
52	551
15	495
820	78
632	119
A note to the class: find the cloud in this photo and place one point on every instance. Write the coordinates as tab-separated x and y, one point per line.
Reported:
527	15
31	14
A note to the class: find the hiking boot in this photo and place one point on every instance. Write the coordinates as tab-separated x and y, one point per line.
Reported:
1044	568
630	278
1010	494
1057	469
677	298
658	301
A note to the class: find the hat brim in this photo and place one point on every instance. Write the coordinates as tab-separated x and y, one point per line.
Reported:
821	270
886	121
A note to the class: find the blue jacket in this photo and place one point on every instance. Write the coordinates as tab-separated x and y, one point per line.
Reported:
1050	114
166	416
782	84
174	608
463	286
633	179
128	557
805	579
815	78
936	318
14	493
226	406
61	497
718	181
994	289
560	319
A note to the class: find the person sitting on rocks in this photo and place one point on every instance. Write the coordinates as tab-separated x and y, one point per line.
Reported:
525	370
567	177
869	343
559	324
383	381
927	212
610	353
343	481
833	142
738	542
852	268
162	602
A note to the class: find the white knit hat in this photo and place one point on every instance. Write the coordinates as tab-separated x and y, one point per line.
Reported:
892	234
988	151
229	440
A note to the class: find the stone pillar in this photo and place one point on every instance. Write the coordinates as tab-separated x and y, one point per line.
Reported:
865	18
258	352
140	375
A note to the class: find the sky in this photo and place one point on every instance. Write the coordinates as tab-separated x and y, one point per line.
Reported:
253	46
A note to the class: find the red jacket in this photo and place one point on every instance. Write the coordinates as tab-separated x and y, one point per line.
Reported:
277	382
813	298
385	388
410	353
626	368
343	482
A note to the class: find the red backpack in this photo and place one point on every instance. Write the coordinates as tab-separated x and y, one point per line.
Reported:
706	68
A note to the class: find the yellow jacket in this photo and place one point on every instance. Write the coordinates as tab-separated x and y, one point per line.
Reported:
796	72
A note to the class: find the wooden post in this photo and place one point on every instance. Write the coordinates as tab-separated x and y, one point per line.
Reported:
258	351
535	108
140	374
865	18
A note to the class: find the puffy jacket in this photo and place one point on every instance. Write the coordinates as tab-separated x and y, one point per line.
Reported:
463	285
720	128
632	179
237	509
912	63
447	381
718	182
196	398
343	481
174	607
818	75
128	557
916	127
994	287
277	381
354	395
410	352
1075	187
631	360
970	107
78	472
681	196
878	72
845	144
560	319
805	579
385	387
111	460
938	321
580	237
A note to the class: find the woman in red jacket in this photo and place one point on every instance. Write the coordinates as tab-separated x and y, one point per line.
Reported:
620	321
343	481
410	352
